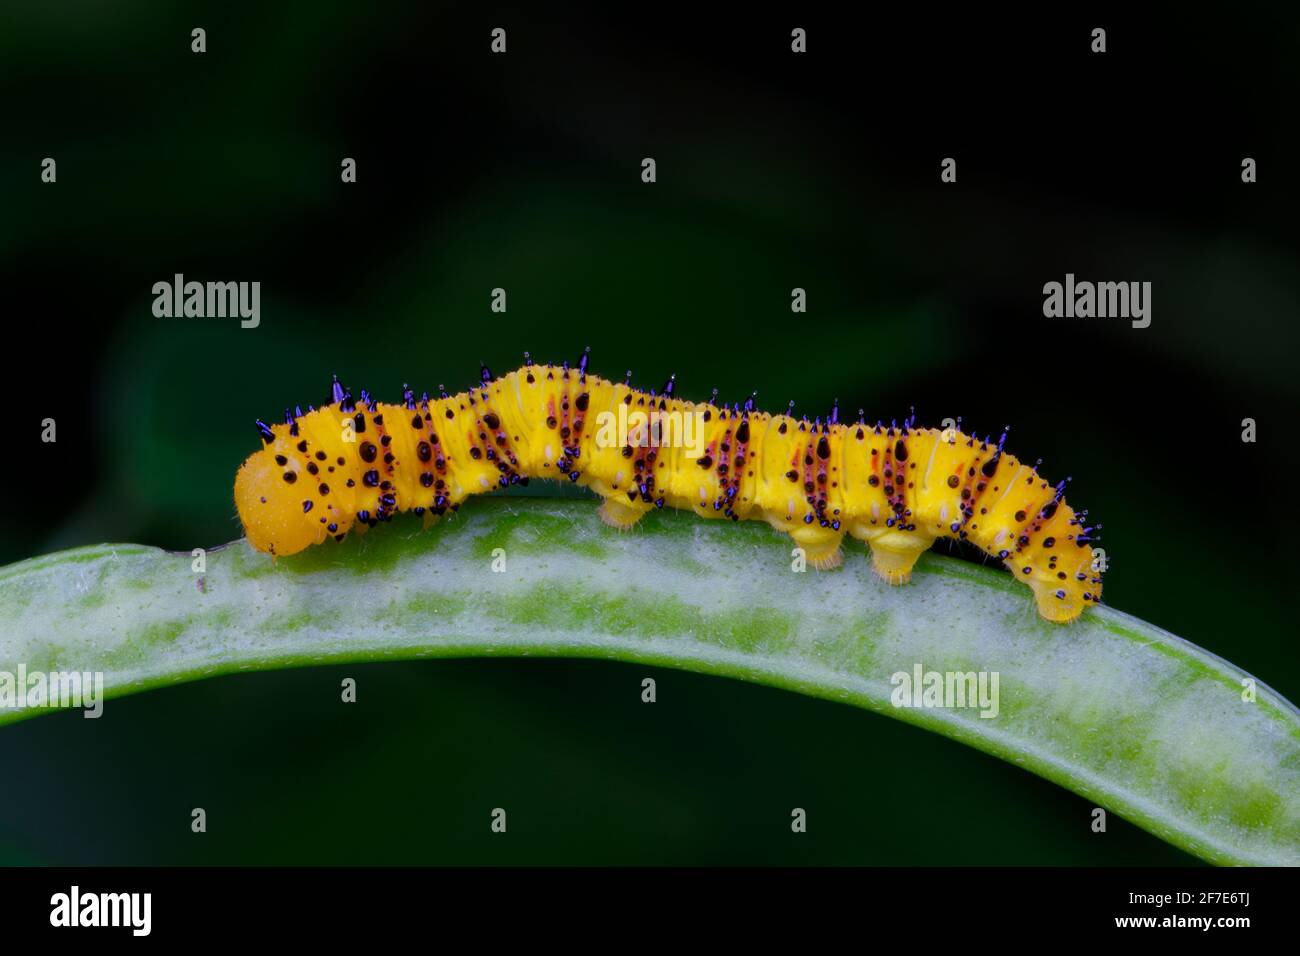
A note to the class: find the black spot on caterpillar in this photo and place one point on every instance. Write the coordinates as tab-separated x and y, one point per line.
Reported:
897	487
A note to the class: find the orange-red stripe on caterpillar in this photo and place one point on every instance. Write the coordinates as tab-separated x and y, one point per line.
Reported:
354	463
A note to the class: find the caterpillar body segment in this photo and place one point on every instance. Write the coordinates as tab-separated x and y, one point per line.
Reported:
353	463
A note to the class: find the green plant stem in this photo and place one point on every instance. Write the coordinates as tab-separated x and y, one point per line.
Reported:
1143	723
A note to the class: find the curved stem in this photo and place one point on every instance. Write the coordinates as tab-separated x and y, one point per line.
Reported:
1142	722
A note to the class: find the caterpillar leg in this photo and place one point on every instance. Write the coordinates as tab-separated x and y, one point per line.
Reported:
618	515
1061	601
894	554
821	546
1052	606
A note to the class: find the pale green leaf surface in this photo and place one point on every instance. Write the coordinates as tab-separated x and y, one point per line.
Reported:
1143	723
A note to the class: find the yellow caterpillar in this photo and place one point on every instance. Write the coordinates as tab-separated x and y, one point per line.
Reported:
354	463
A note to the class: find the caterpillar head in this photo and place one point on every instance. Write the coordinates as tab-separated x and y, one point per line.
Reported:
280	503
269	499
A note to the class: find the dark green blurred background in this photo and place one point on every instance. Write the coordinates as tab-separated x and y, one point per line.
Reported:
522	171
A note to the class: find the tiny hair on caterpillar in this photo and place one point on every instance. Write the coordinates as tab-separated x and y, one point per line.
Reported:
355	462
